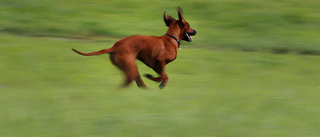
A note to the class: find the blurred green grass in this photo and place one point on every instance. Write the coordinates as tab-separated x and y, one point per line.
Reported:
278	26
47	90
213	89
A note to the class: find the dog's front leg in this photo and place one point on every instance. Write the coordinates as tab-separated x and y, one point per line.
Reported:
159	68
164	78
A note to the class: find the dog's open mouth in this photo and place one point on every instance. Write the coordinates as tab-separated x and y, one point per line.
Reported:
187	37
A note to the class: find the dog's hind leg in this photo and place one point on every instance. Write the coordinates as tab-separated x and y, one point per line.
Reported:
140	83
128	65
132	73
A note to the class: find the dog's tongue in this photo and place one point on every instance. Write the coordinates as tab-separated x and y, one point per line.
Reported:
189	37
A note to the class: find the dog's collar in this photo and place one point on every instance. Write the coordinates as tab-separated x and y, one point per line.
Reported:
174	39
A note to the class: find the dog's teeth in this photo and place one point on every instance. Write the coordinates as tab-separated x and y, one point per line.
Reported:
189	37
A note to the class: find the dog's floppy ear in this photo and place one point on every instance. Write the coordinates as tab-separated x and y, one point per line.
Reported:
181	20
167	19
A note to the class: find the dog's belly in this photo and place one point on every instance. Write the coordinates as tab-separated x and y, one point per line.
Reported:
146	59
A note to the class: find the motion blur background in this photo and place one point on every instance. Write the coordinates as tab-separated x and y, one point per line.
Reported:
251	70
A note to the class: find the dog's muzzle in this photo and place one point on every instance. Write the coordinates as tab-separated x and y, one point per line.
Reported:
187	37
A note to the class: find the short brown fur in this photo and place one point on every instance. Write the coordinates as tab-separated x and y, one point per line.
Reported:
156	52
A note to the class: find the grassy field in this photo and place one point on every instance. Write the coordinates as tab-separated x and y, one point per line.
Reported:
216	87
47	90
280	26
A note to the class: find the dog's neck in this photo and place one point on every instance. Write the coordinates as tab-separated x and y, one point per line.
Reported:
175	38
174	32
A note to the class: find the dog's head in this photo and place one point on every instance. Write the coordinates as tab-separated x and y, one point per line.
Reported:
186	32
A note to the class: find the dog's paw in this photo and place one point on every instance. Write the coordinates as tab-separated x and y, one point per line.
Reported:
148	75
162	85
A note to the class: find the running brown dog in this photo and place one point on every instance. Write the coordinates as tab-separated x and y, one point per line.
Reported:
156	52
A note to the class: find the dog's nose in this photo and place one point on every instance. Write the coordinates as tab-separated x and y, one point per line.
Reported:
194	32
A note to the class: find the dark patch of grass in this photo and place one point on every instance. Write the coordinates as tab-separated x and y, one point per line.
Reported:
295	18
280	50
309	52
95	29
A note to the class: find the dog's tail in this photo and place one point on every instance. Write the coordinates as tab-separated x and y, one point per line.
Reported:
103	51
